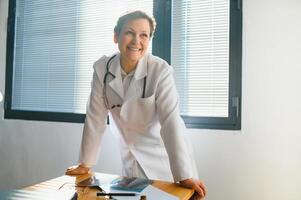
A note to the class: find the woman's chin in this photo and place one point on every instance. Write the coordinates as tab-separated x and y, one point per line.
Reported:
134	56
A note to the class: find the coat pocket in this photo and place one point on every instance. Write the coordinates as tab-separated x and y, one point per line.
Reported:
138	112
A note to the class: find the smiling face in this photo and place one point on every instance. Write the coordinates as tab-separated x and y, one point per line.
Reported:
133	41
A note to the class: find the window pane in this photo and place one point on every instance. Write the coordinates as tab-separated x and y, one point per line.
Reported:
200	56
56	43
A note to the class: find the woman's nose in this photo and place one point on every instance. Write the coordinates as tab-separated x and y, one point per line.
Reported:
136	39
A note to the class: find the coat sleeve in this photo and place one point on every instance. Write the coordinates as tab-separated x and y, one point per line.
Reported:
95	123
173	128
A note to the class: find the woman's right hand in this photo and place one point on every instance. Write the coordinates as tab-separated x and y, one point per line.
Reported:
78	170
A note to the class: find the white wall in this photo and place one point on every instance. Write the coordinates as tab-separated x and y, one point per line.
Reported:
262	161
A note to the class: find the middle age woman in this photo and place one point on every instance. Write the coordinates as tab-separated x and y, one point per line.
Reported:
139	91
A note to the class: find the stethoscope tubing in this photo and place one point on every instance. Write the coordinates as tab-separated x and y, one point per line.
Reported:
105	84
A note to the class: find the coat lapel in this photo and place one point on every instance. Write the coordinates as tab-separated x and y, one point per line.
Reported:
136	86
116	83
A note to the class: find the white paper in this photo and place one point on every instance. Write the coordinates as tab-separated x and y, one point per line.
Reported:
151	193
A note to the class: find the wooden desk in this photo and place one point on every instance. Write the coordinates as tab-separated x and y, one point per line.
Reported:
67	183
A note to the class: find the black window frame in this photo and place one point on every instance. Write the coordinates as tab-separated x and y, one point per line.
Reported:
163	40
161	48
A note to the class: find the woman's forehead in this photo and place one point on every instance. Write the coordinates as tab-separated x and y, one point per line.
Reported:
139	23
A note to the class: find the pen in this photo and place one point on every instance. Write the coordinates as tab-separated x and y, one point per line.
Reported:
116	194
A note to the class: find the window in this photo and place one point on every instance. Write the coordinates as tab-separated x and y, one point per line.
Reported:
51	47
206	56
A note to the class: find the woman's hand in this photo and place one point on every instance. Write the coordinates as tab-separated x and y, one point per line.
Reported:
78	170
197	185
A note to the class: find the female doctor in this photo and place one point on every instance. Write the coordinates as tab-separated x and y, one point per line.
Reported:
138	90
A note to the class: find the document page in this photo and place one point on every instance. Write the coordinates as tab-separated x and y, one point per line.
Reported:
151	193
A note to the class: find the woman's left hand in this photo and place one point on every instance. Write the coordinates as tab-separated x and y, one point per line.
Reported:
197	185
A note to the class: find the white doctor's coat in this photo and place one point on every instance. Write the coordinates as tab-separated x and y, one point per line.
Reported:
150	128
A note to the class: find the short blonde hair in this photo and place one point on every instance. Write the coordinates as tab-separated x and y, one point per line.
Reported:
138	14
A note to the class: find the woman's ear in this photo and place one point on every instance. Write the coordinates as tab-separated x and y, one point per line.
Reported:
115	37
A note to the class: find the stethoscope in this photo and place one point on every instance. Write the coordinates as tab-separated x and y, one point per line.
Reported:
104	91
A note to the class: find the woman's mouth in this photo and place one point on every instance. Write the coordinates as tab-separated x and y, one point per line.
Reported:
134	49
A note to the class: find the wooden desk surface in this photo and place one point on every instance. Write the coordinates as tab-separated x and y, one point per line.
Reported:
67	183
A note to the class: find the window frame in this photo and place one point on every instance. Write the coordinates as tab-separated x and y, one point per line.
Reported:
20	114
233	121
161	48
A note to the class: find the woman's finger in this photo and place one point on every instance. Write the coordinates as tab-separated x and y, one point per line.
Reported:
200	191
77	170
202	185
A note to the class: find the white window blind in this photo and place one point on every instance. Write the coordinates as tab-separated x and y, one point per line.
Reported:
200	56
56	44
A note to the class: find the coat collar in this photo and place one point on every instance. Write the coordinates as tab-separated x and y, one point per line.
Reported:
115	68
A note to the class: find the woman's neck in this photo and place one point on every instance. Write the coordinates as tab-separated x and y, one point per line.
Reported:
127	65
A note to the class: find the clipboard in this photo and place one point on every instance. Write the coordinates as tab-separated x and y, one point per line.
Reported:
133	184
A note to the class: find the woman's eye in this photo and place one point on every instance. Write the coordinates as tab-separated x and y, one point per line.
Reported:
144	35
129	33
